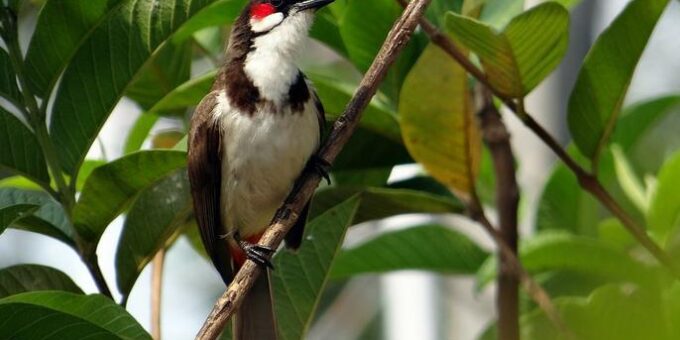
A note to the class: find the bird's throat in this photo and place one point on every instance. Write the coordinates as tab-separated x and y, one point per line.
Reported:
271	63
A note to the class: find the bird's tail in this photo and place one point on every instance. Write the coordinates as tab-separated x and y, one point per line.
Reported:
255	319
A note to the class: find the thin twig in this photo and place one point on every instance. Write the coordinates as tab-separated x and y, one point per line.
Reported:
587	181
497	138
342	130
156	290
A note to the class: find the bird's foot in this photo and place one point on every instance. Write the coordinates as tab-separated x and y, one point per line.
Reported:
320	166
282	213
255	252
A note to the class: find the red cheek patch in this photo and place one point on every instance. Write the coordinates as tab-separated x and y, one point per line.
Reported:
261	11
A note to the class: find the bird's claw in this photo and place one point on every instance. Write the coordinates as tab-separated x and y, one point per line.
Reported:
256	253
259	254
321	166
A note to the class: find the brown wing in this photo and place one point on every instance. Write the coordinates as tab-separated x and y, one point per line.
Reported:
205	169
320	111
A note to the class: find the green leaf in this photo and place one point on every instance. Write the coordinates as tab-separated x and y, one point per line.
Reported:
639	118
111	187
565	206
32	277
367	150
498	13
378	203
655	145
326	30
193	235
372	177
437	122
62	315
364	27
612	231
628	180
108	62
603	81
138	133
20	182
517	59
559	251
437	10
621	312
153	222
664	211
50	219
427	247
12	213
300	277
20	151
62	28
169	67
218	13
85	171
425	184
8	80
335	95
185	95
567	3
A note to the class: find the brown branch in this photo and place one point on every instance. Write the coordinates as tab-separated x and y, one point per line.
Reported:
343	128
587	181
535	291
156	293
497	138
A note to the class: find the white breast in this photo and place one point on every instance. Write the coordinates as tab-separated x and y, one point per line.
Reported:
263	154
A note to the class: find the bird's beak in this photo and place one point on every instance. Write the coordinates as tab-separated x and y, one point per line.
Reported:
311	4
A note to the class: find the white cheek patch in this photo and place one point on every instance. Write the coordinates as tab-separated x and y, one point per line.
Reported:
267	23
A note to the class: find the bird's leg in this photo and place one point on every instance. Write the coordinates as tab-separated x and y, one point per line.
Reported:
320	166
255	252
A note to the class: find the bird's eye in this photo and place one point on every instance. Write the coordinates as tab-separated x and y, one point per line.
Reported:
261	11
277	3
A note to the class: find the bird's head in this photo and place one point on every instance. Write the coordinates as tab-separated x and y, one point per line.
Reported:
265	15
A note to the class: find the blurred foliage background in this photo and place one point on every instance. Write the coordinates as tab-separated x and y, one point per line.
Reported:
95	98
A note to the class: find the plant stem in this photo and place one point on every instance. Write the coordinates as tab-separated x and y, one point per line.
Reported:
586	180
92	264
497	138
343	128
156	290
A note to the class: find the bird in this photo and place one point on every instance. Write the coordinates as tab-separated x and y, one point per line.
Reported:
250	138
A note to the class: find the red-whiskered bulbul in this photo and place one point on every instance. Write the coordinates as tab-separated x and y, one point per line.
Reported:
250	138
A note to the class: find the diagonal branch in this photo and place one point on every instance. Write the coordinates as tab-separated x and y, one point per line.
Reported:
343	128
587	181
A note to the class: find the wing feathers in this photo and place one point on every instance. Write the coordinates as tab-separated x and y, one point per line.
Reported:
205	164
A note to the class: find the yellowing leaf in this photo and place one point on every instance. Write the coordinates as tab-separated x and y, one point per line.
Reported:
438	126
